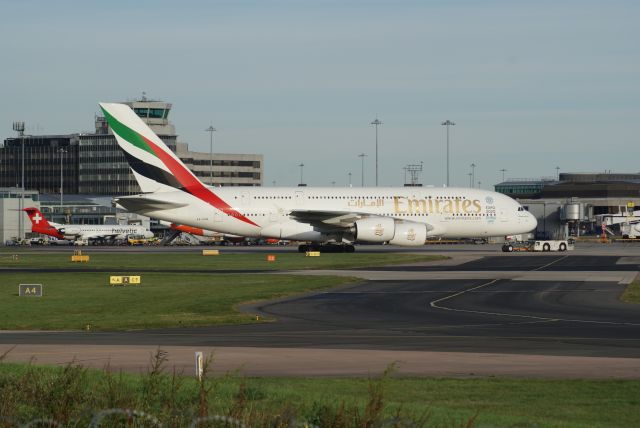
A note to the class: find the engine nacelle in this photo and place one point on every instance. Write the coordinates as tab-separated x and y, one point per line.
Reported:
70	231
410	234
292	230
375	229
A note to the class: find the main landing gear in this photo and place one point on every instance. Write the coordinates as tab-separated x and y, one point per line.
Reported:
327	248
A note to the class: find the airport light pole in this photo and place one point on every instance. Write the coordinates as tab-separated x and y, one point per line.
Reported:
558	173
448	123
473	174
362	156
301	173
376	122
349	179
62	152
211	130
503	171
470	179
19	128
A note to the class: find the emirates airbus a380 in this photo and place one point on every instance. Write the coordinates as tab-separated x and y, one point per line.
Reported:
398	215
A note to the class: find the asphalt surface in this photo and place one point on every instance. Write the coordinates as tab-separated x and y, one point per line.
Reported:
465	315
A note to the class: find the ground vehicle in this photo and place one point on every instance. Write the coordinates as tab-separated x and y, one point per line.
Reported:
56	241
630	230
510	247
137	240
552	245
541	245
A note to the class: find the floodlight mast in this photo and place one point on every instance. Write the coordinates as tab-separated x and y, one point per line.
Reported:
362	156
473	174
301	165
448	123
211	130
376	122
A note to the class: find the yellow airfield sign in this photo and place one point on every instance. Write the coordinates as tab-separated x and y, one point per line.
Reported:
124	279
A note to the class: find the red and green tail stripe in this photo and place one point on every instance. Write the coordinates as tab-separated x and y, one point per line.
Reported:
185	179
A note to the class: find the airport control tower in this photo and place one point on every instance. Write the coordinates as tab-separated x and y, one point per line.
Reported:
153	113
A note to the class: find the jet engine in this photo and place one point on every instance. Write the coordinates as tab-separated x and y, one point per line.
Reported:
410	234
69	231
375	229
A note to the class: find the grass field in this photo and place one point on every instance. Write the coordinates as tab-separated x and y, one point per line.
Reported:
73	300
632	293
194	260
70	394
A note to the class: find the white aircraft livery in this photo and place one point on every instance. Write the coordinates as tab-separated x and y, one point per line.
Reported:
396	215
39	224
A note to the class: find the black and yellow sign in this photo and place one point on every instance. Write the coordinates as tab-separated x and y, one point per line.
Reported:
124	279
33	290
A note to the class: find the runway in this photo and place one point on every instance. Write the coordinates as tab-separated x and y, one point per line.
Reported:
404	309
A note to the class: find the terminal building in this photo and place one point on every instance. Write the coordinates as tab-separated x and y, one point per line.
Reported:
575	203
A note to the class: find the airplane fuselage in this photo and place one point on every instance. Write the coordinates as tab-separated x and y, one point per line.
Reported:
267	211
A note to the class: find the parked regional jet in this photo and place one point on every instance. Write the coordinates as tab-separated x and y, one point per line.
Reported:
82	232
400	216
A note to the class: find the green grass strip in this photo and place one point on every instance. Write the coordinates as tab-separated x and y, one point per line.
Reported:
71	301
145	261
631	294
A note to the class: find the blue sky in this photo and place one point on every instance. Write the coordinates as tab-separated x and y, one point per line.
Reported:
530	85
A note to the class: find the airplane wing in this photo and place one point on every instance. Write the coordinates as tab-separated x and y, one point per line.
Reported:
337	219
332	219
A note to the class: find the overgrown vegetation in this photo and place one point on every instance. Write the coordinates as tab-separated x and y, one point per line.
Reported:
71	395
74	396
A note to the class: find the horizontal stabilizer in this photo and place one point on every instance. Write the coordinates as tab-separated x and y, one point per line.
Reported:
142	204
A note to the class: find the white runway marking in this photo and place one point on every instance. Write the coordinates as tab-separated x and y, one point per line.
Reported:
436	304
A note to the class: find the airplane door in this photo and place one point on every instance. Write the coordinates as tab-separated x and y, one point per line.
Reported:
217	217
299	197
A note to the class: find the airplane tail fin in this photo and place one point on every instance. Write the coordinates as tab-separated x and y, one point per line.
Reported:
38	222
155	167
